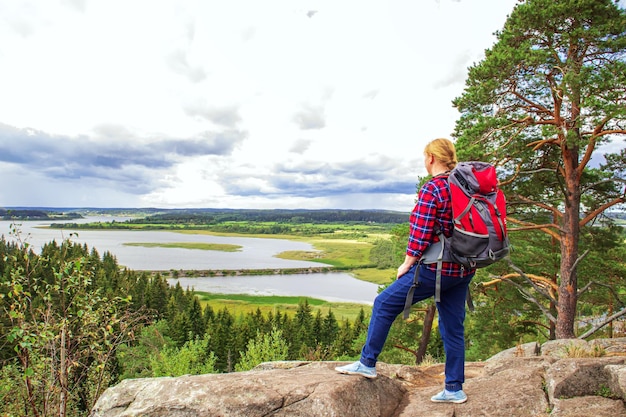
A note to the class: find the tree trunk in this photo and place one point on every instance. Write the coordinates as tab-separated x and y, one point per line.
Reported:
428	326
610	313
555	280
569	247
63	373
552	325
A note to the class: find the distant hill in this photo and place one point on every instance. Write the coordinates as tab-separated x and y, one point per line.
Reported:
158	215
276	215
35	214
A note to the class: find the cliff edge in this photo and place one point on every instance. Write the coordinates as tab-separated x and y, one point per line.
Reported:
528	380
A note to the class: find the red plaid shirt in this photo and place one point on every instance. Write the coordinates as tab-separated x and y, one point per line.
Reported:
434	207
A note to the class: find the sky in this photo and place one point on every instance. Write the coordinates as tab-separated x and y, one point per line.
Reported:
230	104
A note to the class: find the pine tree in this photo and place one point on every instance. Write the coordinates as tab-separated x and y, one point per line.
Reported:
546	96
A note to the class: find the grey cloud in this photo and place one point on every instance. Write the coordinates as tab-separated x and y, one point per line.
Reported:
320	179
327	94
227	116
129	179
248	33
113	154
209	143
456	72
177	61
300	146
371	94
22	187
111	131
191	31
375	169
310	117
21	26
78	5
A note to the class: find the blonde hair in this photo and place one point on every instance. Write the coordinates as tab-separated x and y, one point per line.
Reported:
443	150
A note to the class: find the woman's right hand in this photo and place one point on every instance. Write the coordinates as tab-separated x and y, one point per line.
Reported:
402	269
409	261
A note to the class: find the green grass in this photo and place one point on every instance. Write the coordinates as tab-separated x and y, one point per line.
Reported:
189	245
376	276
237	304
338	253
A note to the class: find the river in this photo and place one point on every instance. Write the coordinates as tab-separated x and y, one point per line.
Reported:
255	253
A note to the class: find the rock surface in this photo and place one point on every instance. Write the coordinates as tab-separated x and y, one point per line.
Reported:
528	380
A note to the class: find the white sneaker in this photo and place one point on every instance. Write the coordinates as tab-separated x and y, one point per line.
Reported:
456	397
357	368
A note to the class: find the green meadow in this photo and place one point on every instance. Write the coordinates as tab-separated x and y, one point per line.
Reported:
241	304
189	245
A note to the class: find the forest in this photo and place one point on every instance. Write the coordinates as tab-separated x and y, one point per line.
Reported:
23	213
262	222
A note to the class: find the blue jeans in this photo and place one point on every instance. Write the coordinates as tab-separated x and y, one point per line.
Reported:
389	303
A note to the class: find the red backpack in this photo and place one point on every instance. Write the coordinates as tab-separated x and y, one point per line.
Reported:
480	235
479	211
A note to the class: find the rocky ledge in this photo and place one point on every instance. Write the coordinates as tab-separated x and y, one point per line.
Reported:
528	380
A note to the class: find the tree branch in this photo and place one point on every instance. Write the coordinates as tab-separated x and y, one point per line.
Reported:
529	226
539	143
597	132
607	132
527	277
532	299
586	287
526	295
511	178
534	171
512	137
545	206
405	349
601	325
580	258
530	278
591	146
595	184
589	217
539	108
542	280
534	226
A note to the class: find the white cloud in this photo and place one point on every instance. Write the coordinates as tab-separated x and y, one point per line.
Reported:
242	103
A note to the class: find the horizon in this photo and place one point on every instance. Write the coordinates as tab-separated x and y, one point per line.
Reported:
60	208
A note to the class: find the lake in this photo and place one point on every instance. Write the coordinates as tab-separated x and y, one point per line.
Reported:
256	253
332	286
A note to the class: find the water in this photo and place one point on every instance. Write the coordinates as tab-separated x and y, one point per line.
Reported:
256	253
332	286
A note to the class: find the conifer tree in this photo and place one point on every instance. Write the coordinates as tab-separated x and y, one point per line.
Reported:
545	98
330	329
263	348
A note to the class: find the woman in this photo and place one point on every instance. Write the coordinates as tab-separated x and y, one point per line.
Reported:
432	210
